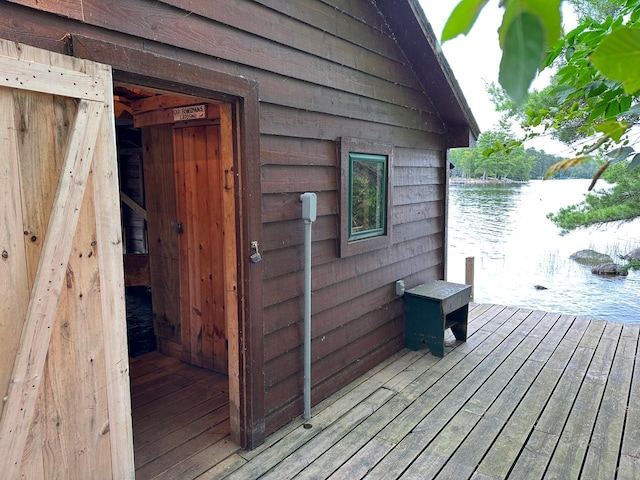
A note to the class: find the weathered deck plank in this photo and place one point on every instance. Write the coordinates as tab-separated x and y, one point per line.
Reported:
179	412
537	451
630	455
328	437
502	454
529	395
605	443
267	459
569	455
497	407
473	396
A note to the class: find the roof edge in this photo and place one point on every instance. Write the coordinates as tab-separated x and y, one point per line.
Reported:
412	29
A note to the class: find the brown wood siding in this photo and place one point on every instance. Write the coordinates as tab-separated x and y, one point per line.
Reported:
325	70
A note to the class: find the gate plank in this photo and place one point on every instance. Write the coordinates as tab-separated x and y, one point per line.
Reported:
30	359
14	281
38	77
109	237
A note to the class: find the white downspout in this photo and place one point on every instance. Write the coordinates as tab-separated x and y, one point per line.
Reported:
309	208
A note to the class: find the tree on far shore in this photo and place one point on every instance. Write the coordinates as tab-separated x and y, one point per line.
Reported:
499	155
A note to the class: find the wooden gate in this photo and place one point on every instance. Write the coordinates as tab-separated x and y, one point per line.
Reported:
63	355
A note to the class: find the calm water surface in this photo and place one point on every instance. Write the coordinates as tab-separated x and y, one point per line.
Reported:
516	247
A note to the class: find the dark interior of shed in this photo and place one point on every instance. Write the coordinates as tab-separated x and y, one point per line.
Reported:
138	294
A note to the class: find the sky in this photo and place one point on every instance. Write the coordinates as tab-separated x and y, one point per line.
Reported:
475	58
475	61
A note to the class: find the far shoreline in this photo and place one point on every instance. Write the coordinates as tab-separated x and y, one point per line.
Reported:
481	181
499	181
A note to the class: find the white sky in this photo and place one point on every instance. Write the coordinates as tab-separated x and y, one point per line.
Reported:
475	61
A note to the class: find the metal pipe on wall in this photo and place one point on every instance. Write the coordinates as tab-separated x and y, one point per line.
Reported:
309	207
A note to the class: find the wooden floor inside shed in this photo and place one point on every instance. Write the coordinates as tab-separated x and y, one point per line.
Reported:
180	417
529	395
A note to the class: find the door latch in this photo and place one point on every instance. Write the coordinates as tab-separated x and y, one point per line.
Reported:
177	226
255	256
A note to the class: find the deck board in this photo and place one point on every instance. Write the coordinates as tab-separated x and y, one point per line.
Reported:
179	412
529	395
501	394
571	449
499	459
470	395
604	445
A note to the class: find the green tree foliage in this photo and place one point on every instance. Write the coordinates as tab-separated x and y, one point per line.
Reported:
593	97
543	161
497	155
584	99
595	91
518	164
619	202
529	29
597	10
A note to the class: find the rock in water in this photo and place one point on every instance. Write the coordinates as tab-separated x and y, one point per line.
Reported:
633	255
609	269
590	257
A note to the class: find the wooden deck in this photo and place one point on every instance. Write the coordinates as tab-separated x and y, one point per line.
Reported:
529	395
180	417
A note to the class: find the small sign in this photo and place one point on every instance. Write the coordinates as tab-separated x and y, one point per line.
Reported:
192	112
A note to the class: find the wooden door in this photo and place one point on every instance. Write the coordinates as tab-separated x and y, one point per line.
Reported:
160	201
199	186
63	354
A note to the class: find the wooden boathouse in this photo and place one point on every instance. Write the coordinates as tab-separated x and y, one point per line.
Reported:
165	144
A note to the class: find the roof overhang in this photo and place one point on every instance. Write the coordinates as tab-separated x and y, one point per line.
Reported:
418	41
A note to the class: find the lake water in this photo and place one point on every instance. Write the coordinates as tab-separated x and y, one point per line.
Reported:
516	247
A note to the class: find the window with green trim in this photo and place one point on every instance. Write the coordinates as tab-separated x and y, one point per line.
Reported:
367	195
365	186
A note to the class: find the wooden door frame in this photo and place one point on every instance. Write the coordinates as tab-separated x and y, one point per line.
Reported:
139	67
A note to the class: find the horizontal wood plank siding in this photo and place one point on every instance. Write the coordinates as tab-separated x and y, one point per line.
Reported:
327	18
286	206
282	121
325	70
274	27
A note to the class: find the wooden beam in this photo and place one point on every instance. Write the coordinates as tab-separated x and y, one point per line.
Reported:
130	202
162	102
109	238
159	117
30	359
230	258
38	77
459	136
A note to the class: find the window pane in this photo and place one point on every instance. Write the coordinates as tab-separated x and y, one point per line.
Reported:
368	195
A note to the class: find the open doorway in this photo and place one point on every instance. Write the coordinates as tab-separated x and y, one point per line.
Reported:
176	165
